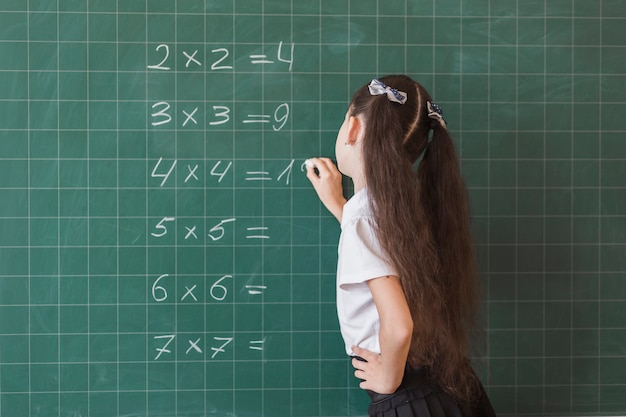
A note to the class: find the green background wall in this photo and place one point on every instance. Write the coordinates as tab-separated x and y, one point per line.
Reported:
162	253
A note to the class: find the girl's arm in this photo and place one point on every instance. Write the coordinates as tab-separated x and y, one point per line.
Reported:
327	183
383	373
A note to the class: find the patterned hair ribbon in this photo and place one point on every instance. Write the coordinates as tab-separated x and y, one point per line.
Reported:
377	88
435	113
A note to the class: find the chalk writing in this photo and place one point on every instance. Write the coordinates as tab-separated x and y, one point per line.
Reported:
172	115
168	339
218	57
162	115
215	233
219	345
218	291
163	169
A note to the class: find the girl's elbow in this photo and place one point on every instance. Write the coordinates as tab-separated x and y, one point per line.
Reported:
404	331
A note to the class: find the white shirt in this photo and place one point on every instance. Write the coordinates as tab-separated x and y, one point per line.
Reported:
360	259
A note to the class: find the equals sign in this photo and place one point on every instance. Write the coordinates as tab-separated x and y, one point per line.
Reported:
257	118
256	344
258	176
257	236
260	59
255	289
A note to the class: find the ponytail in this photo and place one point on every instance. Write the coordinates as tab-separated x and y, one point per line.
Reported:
446	203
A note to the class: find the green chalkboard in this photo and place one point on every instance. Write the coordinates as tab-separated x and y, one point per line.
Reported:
163	254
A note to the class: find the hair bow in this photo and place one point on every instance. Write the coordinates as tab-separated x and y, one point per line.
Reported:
435	113
377	88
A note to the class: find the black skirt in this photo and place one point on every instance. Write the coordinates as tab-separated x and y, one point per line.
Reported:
417	397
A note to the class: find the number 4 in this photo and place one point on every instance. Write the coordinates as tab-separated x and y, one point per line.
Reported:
286	60
220	175
164	176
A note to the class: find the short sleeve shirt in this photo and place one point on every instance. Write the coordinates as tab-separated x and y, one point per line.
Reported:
360	258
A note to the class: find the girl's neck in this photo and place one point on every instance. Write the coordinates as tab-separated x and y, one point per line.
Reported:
359	183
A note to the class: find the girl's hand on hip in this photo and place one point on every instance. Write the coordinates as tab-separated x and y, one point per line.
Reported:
326	180
372	373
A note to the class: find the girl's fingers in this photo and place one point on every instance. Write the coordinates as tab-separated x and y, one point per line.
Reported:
326	180
324	166
368	355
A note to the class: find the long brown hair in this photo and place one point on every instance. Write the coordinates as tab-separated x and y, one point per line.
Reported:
422	218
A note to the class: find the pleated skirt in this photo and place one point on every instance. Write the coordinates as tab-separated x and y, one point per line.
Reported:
416	397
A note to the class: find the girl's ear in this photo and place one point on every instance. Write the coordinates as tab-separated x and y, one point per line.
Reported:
356	129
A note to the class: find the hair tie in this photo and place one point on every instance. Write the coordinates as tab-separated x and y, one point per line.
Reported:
435	113
377	88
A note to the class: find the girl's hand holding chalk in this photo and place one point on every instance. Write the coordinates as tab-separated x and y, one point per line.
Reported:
326	180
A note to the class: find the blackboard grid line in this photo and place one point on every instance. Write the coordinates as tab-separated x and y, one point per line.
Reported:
176	206
291	239
117	208
309	44
263	153
58	181
319	251
600	137
28	119
147	224
361	74
595	245
188	390
347	13
515	213
554	274
526	131
544	139
234	204
319	15
487	277
204	211
89	136
335	387
553	188
216	186
529	301
572	268
129	304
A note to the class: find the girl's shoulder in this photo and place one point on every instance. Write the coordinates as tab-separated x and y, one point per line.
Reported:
357	208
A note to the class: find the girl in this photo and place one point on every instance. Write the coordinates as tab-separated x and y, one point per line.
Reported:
406	274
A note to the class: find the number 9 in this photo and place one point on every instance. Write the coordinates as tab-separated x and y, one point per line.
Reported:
282	119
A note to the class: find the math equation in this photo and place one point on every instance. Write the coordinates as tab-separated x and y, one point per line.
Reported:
199	337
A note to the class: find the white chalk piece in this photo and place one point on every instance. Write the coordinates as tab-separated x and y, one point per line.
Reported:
309	163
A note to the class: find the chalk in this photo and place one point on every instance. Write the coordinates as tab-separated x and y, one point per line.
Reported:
309	163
